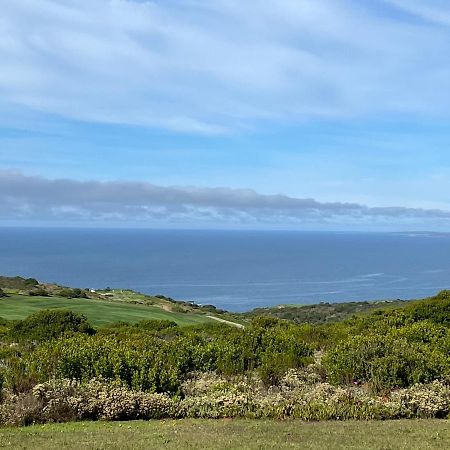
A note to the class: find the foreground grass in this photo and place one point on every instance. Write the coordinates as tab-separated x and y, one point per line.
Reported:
98	312
231	434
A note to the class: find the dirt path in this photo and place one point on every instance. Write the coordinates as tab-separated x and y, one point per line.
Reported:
234	324
165	307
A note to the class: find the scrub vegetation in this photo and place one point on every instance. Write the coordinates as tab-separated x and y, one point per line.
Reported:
323	312
58	365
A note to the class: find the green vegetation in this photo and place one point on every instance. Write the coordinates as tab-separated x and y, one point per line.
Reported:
234	434
136	362
73	293
160	360
46	325
17	283
323	312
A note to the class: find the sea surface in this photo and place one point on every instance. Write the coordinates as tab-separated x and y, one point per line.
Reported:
234	270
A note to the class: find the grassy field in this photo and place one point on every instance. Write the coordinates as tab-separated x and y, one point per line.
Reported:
98	312
232	434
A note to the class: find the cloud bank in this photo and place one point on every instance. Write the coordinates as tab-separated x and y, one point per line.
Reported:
215	67
32	198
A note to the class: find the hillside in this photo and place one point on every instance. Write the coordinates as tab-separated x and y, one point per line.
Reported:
26	296
324	312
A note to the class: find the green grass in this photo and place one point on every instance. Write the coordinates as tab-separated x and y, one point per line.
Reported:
232	434
98	312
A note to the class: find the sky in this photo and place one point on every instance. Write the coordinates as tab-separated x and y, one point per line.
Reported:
296	114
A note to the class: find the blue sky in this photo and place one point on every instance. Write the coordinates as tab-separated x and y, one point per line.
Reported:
342	102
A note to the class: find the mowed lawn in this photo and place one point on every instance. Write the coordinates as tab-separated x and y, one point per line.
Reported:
98	312
232	434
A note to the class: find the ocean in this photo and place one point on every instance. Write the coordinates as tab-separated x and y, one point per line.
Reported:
234	270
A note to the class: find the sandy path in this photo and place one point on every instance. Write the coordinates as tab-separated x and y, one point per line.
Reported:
234	324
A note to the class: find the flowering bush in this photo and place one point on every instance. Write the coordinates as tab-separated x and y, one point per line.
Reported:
63	400
213	396
425	400
21	409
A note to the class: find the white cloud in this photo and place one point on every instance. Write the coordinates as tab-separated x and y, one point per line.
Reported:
211	67
432	10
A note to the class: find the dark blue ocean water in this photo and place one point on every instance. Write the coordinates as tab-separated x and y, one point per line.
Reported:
235	270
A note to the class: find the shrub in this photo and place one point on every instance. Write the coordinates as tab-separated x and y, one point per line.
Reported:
2	382
38	292
49	324
212	396
269	345
426	400
436	309
21	409
140	362
67	400
99	399
72	293
384	361
155	325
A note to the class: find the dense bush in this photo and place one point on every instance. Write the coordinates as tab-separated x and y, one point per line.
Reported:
417	353
72	293
155	325
144	361
38	291
436	309
49	324
384	363
269	346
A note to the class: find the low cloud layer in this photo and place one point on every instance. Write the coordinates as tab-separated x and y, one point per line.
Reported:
31	198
